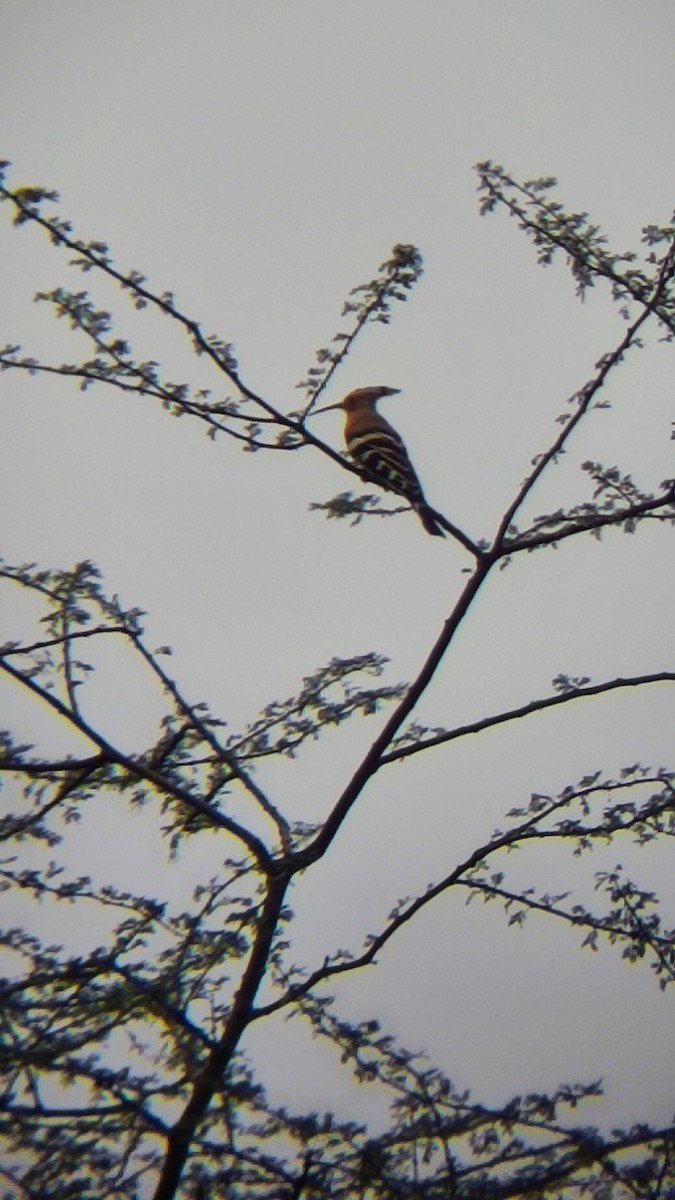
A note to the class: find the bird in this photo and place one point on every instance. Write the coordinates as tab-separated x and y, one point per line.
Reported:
379	452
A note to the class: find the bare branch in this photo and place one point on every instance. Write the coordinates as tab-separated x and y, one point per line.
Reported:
525	710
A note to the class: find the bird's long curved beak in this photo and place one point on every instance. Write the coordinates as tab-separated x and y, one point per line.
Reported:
327	408
385	391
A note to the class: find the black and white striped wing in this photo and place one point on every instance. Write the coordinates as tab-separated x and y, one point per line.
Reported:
383	458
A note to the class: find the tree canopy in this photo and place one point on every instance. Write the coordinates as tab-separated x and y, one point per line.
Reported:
126	1070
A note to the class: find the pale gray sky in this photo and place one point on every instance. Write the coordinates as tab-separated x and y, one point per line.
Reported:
260	159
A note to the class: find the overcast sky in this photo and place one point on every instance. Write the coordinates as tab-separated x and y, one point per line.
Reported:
260	160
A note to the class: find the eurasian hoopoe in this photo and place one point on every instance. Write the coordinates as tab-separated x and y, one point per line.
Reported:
379	452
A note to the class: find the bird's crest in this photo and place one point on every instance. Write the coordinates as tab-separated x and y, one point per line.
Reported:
366	396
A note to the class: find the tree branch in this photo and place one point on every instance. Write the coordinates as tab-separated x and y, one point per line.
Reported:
583	399
526	710
143	770
372	761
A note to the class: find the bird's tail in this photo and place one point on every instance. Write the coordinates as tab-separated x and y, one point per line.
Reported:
429	520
